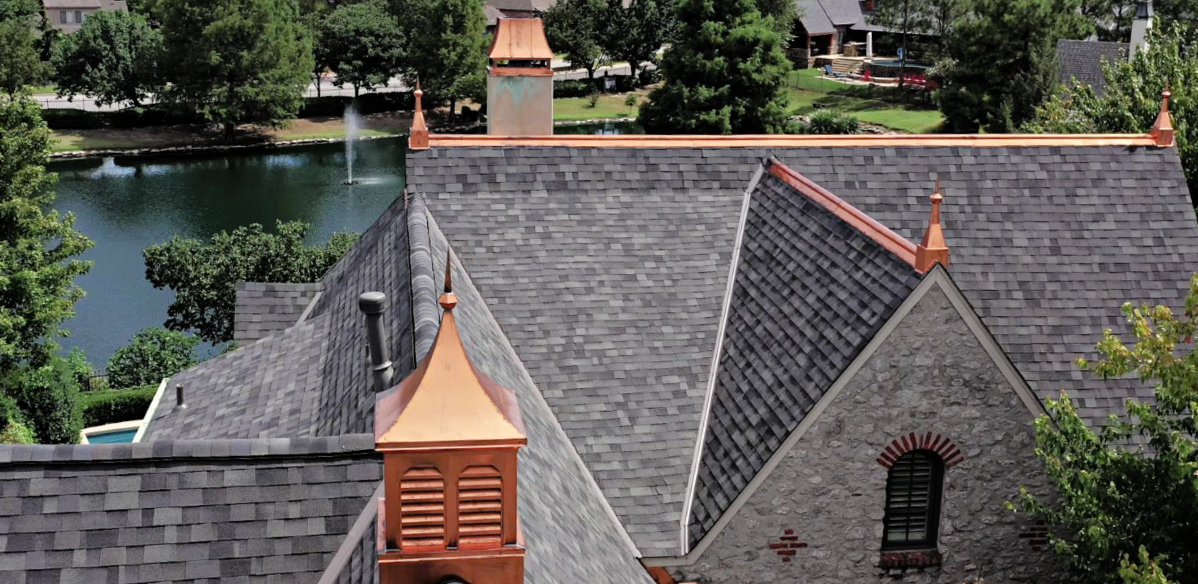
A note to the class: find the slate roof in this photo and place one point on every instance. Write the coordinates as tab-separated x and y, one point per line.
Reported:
1082	60
265	309
810	292
634	246
229	511
311	379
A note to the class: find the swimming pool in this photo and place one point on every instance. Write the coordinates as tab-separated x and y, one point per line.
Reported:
114	437
897	64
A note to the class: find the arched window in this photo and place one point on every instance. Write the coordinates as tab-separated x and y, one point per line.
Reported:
913	490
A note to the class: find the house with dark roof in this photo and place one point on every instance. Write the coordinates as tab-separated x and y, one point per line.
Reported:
1081	61
636	359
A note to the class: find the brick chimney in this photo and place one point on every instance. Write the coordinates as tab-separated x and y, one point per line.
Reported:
520	80
449	437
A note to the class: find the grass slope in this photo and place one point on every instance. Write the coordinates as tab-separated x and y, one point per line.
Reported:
808	93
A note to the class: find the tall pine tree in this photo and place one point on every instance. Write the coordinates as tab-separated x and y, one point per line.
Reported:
724	73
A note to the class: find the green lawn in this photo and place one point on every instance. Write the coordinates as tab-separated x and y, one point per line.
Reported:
567	109
38	89
870	105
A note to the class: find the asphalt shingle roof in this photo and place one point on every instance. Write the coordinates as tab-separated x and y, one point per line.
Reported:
228	511
634	247
814	18
810	292
1082	60
265	309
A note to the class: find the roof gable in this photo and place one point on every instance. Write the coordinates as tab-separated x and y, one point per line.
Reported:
812	287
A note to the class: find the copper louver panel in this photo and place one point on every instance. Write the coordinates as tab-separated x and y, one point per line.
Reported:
422	509
480	507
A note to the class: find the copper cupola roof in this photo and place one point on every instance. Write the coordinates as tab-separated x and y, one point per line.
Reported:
447	402
520	39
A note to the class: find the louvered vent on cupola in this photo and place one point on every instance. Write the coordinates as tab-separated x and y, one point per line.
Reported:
422	509
480	507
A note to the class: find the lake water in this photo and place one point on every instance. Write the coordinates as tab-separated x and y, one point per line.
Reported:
124	205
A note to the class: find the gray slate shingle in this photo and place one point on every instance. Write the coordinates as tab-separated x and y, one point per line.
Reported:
633	245
1082	60
265	309
228	511
810	292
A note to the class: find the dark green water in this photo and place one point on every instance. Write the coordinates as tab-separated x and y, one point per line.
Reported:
123	205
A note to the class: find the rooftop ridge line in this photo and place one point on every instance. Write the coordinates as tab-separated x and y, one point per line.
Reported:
868	226
782	140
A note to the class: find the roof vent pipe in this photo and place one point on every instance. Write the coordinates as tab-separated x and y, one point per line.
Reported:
179	397
371	305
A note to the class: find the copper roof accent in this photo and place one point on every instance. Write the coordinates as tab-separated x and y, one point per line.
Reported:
791	141
446	402
932	249
892	241
520	39
1162	130
418	139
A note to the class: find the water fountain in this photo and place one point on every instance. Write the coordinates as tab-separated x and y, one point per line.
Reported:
352	123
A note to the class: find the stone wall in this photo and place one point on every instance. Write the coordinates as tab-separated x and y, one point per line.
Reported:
818	516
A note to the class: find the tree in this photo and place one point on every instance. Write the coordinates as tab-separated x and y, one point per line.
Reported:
362	43
784	13
724	73
1131	488
575	28
635	33
22	63
204	277
1004	63
904	17
236	61
153	354
448	51
48	396
113	57
1133	97
38	246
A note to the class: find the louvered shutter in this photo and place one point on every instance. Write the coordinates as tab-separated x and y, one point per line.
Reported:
422	509
913	500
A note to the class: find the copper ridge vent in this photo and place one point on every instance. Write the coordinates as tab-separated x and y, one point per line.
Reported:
520	39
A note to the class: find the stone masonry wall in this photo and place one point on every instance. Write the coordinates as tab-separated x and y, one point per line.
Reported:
822	506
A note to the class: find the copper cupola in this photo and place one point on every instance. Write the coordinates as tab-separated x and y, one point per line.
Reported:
520	79
449	436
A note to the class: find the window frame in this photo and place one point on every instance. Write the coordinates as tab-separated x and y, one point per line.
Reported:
935	496
62	17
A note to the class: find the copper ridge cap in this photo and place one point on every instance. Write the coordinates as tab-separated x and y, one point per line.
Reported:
788	140
868	226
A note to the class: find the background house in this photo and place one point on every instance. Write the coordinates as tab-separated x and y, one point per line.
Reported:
68	15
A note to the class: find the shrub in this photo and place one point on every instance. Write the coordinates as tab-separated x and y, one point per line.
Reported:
118	405
16	433
72	119
593	99
48	397
832	122
572	88
154	353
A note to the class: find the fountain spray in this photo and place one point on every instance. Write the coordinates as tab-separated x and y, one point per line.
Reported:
352	121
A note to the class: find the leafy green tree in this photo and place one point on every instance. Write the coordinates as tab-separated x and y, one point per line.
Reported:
153	354
48	397
1131	488
904	17
1004	62
1133	97
635	33
724	73
784	13
236	61
22	63
448	49
204	277
362	43
113	57
38	246
576	28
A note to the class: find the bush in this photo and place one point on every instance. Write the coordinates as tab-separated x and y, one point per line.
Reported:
154	353
572	88
72	119
118	405
48	397
370	103
153	115
593	99
16	433
80	368
832	122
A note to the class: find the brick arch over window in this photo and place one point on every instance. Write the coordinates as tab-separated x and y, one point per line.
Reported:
947	449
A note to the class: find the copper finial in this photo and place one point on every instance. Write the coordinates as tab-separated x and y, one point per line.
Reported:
448	299
418	140
1162	130
932	249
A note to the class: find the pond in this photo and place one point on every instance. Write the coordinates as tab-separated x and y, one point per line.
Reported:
124	205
